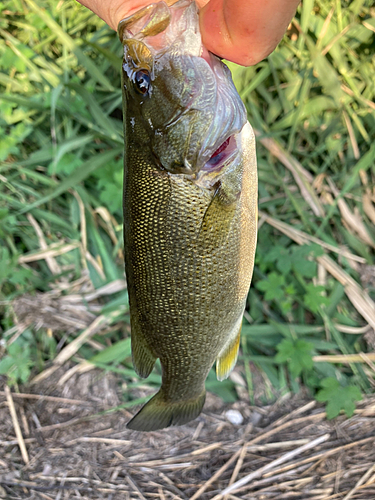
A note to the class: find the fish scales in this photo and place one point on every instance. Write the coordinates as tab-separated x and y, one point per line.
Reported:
190	209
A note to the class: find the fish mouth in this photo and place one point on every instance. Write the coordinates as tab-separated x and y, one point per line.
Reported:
222	154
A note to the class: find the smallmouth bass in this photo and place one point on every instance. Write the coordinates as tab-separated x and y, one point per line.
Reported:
190	208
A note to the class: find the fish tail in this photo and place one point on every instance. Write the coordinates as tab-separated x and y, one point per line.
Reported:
159	413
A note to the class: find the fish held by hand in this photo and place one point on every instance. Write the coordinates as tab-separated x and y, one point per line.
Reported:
190	208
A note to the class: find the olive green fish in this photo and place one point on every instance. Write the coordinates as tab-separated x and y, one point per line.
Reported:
190	208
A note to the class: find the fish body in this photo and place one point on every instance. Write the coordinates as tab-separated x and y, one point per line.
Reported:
190	209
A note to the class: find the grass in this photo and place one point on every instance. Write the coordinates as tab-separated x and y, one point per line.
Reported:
311	315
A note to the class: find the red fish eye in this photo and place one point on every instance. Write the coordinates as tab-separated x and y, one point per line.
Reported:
142	81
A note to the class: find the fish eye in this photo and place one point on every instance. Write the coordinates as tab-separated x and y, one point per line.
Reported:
142	81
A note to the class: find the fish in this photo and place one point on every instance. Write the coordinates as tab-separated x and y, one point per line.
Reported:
189	205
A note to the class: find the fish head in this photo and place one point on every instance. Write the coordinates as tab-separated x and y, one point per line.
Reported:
180	99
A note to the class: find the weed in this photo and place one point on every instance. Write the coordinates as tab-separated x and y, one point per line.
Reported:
311	104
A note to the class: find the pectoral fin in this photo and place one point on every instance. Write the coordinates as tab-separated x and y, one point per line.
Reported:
217	219
228	356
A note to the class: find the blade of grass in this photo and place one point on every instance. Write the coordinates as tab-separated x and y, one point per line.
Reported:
71	45
78	176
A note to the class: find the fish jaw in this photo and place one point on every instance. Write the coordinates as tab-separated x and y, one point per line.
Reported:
192	106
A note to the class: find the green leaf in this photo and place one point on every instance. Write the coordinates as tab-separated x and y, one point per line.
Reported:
273	286
64	160
313	297
9	59
17	364
10	139
113	354
67	164
5	365
301	262
20	276
338	397
297	354
224	389
110	185
281	256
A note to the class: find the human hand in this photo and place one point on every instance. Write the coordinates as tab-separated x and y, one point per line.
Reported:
242	31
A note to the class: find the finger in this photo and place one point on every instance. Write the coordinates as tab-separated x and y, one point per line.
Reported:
245	31
113	11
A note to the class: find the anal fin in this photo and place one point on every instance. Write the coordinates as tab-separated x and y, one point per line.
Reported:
228	356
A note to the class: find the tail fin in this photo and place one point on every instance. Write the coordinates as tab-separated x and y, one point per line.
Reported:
159	413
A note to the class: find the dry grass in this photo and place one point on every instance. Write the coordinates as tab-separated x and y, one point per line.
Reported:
77	448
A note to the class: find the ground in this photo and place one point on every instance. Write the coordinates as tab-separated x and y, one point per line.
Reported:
77	449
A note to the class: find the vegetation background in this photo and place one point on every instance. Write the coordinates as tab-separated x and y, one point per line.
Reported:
311	315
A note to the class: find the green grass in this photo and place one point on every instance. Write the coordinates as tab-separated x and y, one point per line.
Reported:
312	105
